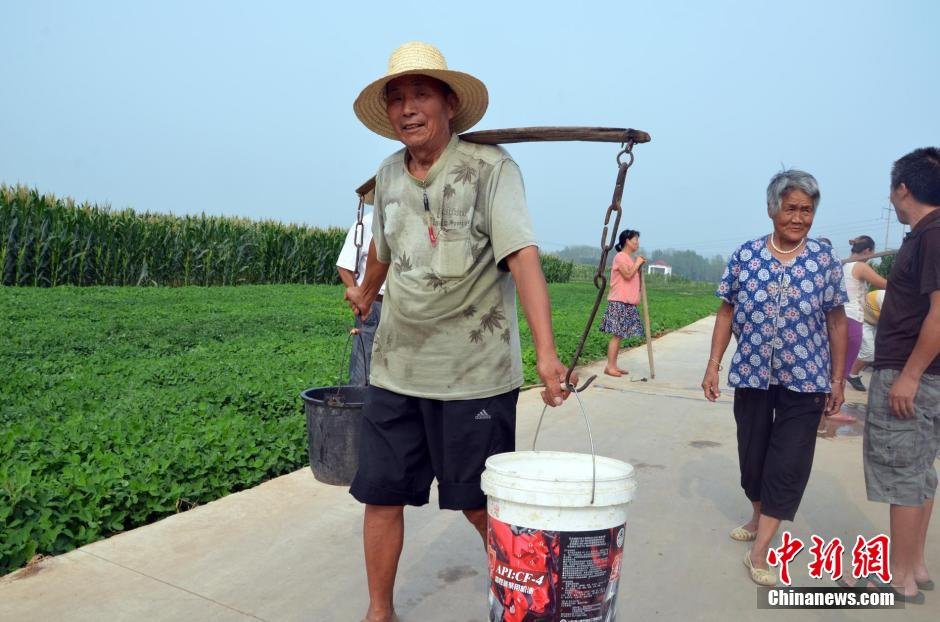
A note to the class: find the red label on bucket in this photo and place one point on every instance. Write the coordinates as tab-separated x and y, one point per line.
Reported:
549	576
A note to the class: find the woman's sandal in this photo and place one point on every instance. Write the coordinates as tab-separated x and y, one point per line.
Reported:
760	576
926	586
740	534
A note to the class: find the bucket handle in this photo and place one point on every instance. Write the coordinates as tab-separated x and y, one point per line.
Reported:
587	423
362	348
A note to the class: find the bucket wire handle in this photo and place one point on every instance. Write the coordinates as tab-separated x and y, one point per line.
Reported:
587	423
345	359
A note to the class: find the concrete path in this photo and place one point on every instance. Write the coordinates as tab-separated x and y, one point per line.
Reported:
290	549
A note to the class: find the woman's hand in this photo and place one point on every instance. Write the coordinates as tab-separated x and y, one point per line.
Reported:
721	336
710	383
836	398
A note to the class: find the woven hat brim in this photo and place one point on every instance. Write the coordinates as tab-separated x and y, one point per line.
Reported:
471	93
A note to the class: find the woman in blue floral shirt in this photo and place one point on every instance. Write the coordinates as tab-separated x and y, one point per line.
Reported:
782	298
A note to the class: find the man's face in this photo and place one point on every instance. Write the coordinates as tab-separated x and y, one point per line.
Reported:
420	111
897	200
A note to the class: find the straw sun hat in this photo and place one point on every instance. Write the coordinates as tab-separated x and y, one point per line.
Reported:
418	58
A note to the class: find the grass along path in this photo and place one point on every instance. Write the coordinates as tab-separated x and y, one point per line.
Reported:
119	406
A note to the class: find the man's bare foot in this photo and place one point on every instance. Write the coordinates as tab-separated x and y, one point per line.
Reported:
907	589
863	582
613	372
623	371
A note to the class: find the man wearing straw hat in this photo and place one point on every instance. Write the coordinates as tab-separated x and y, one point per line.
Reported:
451	233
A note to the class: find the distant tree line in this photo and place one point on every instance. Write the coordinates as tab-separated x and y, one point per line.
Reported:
686	264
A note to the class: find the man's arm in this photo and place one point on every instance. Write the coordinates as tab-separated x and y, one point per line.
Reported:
902	393
526	271
361	298
347	277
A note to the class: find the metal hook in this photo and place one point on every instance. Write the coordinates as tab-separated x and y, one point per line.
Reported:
571	388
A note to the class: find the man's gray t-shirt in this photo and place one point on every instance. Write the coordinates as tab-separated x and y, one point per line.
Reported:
449	328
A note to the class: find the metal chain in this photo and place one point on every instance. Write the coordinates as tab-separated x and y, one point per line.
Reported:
359	234
600	277
358	237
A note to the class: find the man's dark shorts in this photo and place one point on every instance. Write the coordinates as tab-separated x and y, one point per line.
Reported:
407	441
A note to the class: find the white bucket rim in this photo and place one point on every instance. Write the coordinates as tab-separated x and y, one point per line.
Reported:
503	478
498	462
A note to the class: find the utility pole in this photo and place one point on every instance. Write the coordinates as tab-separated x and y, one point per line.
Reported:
889	212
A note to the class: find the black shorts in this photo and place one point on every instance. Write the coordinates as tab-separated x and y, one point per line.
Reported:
408	441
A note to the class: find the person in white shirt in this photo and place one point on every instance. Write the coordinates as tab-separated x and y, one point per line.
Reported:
360	357
858	276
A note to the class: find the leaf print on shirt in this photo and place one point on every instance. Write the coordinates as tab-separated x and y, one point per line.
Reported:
469	311
476	250
464	173
476	335
447	193
492	319
505	336
403	264
434	281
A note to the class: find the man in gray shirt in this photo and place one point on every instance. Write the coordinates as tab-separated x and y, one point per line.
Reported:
452	233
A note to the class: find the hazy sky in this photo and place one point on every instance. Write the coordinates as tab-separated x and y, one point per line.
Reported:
245	108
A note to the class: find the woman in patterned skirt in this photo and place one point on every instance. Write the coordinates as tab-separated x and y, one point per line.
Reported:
621	320
782	298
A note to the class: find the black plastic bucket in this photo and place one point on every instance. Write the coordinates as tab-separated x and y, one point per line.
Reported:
333	418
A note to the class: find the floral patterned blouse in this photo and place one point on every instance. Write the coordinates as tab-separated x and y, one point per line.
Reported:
779	315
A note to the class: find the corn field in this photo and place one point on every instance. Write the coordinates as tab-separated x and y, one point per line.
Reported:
46	241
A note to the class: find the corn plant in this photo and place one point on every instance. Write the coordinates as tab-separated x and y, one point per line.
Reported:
46	241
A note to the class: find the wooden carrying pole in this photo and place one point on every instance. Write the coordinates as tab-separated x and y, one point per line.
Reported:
541	134
873	256
646	325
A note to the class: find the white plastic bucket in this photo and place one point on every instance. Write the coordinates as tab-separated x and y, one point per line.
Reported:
553	553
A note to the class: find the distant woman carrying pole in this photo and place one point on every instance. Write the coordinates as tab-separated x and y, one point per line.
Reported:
782	298
621	320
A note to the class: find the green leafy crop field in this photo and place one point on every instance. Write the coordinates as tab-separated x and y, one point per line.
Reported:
119	406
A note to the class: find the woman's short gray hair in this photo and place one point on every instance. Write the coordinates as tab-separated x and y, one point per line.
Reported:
786	181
